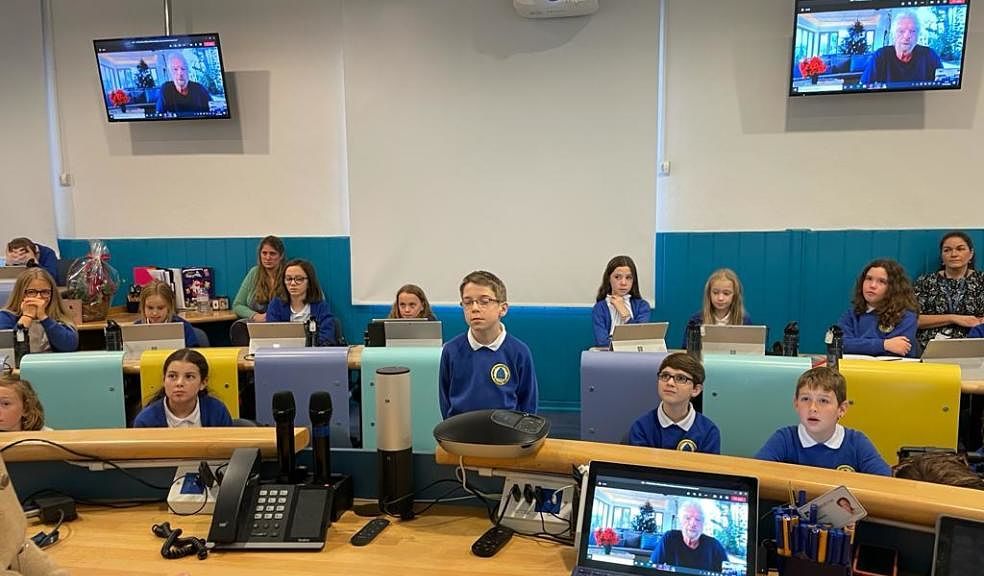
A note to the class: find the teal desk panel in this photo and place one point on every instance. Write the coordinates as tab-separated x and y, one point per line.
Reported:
425	412
78	389
750	397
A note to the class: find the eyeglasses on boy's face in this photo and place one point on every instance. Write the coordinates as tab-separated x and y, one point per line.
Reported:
295	279
483	302
677	378
43	293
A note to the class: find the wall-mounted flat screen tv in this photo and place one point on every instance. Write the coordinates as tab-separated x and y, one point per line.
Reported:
851	46
162	78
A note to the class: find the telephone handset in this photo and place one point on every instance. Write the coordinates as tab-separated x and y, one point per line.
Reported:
253	516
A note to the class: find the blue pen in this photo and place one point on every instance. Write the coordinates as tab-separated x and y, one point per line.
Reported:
837	543
846	550
813	513
814	543
804	539
802	498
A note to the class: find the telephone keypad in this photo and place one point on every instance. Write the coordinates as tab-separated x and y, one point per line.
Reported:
271	507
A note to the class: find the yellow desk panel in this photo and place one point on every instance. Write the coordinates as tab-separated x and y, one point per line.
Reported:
223	374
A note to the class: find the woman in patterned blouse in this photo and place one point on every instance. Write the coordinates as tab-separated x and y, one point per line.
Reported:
951	300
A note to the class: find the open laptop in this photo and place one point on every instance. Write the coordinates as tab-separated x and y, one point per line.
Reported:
140	337
613	494
6	350
732	340
648	337
958	551
415	332
275	335
968	353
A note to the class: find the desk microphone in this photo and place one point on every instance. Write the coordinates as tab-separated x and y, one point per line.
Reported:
319	410
283	415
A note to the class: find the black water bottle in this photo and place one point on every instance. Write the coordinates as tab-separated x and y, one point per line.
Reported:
693	338
114	336
791	339
22	344
311	333
835	346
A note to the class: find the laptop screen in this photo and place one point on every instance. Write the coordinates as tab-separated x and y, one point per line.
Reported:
958	551
653	521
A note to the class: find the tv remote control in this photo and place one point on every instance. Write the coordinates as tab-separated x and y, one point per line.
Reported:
367	533
493	540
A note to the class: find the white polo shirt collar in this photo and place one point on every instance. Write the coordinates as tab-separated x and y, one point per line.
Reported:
494	346
193	420
686	423
833	442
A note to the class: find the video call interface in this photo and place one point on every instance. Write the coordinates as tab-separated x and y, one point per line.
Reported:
162	78
720	515
887	45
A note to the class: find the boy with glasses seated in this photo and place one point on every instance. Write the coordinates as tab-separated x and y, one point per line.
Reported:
674	424
486	367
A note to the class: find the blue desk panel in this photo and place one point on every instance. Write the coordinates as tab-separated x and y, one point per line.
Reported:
425	410
78	389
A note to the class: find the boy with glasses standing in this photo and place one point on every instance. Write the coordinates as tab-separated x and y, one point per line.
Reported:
486	367
674	424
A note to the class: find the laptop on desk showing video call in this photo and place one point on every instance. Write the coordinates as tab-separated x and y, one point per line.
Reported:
140	337
733	340
275	335
968	353
647	337
613	494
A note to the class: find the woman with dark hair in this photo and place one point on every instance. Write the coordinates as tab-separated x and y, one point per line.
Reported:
951	299
882	318
301	299
618	300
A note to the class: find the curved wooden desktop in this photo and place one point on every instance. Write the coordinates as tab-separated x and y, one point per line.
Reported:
246	364
884	498
121	316
146	443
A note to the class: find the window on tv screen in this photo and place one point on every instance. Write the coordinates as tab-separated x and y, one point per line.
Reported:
162	78
845	46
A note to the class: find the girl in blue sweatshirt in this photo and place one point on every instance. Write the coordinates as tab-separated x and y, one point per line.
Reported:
157	306
36	305
618	300
302	299
183	400
883	318
724	303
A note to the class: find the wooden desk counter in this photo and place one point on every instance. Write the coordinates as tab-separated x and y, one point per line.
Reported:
246	364
148	443
119	543
121	316
887	498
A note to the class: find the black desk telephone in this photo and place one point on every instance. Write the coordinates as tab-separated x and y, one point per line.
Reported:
253	516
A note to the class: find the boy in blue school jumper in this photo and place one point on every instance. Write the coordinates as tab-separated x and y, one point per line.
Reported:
674	424
820	401
486	367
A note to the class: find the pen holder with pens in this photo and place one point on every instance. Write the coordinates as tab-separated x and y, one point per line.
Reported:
806	548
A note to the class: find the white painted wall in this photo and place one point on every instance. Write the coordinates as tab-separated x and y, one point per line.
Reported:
25	181
278	167
481	140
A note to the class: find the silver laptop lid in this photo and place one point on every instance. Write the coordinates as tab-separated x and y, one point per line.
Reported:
138	338
419	332
275	330
647	337
6	349
733	339
956	348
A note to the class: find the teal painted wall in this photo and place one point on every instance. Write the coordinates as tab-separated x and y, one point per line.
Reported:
787	275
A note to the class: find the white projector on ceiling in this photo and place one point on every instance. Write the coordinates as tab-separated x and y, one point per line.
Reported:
555	8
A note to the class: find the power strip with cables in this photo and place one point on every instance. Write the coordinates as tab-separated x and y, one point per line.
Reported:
538	503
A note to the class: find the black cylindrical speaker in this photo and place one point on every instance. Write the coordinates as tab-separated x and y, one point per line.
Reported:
394	442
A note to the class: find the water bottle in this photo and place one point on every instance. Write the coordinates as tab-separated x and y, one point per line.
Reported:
114	336
202	303
791	339
311	333
22	344
835	346
693	338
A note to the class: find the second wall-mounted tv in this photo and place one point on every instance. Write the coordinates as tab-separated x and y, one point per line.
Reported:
850	46
162	78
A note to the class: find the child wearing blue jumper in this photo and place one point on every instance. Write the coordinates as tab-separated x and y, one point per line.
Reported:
183	400
674	424
486	367
884	314
301	299
157	306
36	305
820	401
618	300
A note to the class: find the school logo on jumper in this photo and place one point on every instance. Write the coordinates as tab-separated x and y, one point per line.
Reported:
500	374
846	468
687	445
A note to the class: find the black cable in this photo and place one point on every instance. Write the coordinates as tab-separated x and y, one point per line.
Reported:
104	503
89	457
384	506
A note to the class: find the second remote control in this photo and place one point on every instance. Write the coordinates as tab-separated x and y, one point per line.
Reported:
366	534
493	540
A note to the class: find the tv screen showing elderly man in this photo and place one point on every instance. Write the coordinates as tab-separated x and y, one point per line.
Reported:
891	45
